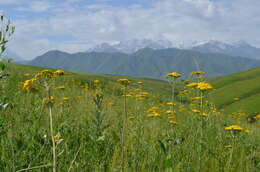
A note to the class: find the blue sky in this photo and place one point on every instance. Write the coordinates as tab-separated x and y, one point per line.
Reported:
76	25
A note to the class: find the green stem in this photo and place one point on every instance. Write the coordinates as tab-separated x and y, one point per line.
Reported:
123	130
52	135
173	92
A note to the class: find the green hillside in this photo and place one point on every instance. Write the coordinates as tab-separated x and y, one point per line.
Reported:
146	62
238	92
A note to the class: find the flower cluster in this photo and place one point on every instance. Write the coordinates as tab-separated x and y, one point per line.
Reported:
174	75
29	85
203	86
124	81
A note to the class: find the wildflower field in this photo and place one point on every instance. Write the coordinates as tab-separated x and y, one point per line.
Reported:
54	120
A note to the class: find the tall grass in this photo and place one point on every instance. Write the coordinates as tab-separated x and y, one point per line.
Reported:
89	128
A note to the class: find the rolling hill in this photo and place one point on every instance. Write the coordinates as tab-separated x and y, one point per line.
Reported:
243	85
146	62
238	92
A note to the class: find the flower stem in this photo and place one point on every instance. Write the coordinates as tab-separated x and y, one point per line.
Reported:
123	131
52	135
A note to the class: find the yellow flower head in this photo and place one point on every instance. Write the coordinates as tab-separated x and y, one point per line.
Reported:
171	117
57	137
97	81
29	85
193	84
124	81
170	103
234	127
127	95
197	73
144	93
131	118
195	111
174	75
172	122
140	83
45	73
169	112
204	115
203	86
257	116
66	98
154	114
152	109
236	99
59	72
60	88
49	100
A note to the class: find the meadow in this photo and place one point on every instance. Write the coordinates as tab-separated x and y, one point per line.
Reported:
53	120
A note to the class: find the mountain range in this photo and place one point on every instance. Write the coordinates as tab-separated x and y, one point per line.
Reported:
131	46
146	62
240	48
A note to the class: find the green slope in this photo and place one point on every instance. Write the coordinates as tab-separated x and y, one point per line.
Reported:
244	85
146	62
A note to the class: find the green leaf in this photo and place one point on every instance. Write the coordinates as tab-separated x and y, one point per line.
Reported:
7	28
2	66
162	146
13	29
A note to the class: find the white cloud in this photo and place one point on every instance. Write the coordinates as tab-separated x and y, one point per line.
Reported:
36	6
176	20
10	1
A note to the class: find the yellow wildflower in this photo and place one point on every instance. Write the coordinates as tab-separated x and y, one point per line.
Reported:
172	122
28	85
154	108
170	103
66	98
97	81
236	99
169	112
59	72
45	73
193	84
204	115
248	131
49	100
124	81
60	87
154	114
195	98
144	93
203	86
195	111
140	83
257	116
171	117
127	95
131	118
234	127
174	74
197	73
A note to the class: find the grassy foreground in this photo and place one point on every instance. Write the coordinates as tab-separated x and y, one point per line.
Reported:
100	124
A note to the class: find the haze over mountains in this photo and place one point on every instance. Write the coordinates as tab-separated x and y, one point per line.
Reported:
147	58
131	46
239	48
